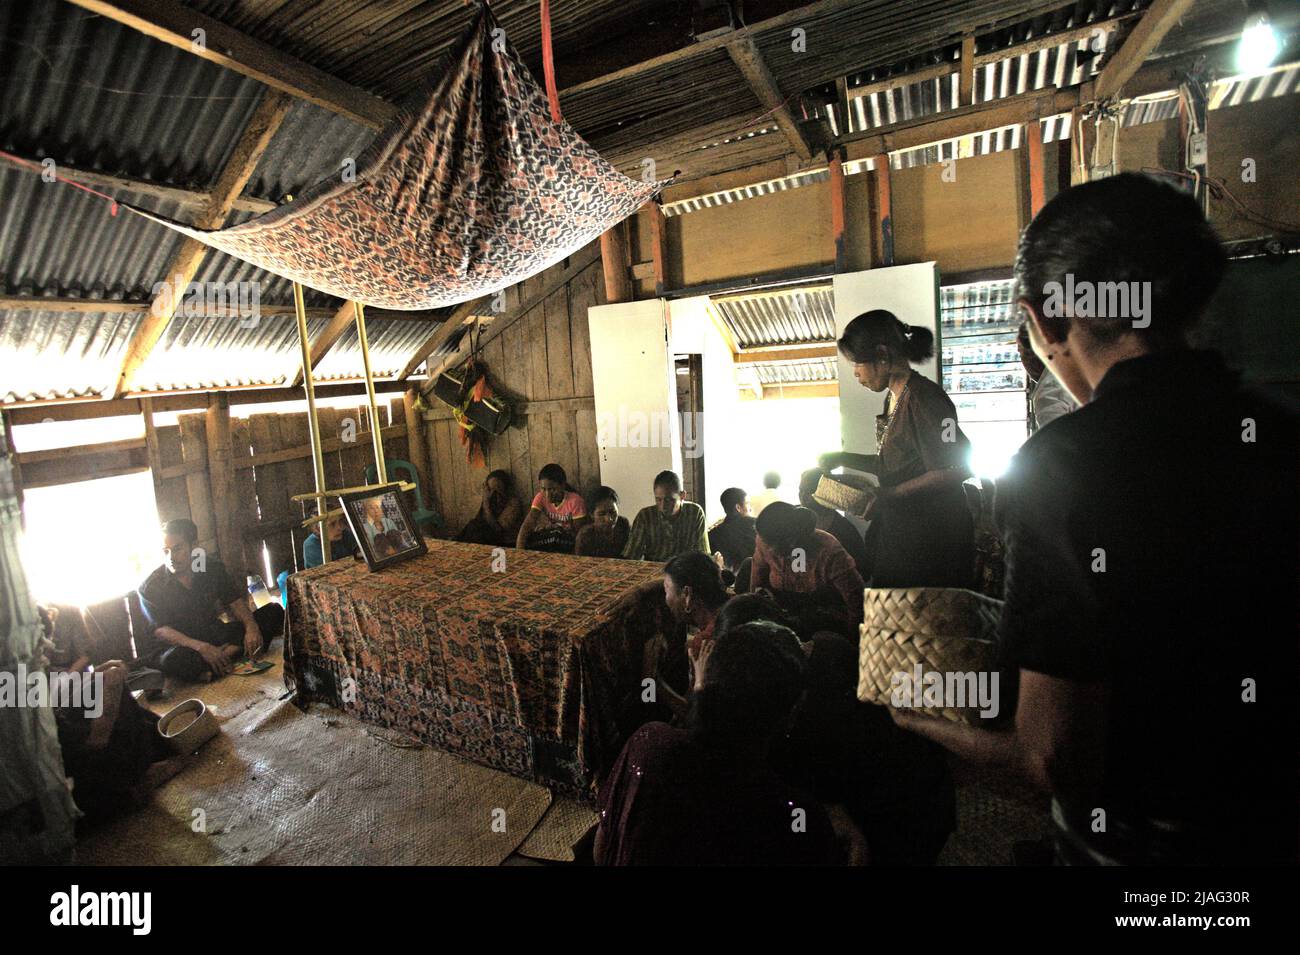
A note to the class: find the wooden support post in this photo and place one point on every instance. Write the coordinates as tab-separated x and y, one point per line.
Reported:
417	447
313	423
884	214
837	209
153	451
966	80
376	426
658	246
1033	136
221	482
616	260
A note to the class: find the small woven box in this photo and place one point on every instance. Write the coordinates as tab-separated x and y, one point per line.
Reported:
845	492
945	630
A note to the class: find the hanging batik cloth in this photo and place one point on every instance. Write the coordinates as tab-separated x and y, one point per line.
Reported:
469	190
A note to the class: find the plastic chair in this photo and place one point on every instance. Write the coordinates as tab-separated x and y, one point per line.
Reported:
399	470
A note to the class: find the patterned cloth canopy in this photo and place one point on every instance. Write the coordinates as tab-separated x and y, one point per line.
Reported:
467	191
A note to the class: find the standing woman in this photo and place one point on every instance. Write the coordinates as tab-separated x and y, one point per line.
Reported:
921	526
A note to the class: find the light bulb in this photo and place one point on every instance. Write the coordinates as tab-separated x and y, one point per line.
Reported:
1259	45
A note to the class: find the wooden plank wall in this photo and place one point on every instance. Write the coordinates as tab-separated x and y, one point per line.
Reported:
271	459
542	357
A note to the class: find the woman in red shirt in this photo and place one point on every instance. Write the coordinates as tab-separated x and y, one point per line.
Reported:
807	570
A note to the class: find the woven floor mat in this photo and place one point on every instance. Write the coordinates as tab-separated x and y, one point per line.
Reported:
992	816
563	826
280	786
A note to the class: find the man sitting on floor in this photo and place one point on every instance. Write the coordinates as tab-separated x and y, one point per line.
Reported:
734	537
182	600
669	526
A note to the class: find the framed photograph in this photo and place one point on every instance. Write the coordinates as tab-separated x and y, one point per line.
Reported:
382	525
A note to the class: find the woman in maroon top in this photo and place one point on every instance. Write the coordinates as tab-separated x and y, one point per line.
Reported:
809	572
922	529
707	794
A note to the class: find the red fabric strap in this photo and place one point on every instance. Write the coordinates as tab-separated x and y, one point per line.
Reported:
548	62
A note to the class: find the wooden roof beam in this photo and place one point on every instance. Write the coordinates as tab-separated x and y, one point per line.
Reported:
1141	42
342	317
266	119
175	24
745	54
186	197
461	315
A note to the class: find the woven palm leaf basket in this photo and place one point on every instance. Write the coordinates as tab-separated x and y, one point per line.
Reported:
845	492
947	631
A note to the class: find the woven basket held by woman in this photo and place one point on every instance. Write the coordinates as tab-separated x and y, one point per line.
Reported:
947	632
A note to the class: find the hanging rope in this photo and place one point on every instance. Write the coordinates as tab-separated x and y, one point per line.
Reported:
112	209
548	62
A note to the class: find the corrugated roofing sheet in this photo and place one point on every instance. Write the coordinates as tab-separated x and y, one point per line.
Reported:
796	371
785	317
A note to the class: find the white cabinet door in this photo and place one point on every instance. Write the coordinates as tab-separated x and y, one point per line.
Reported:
912	293
637	428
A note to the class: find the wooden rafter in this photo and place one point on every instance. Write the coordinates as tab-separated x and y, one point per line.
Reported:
578	264
185	197
342	317
230	183
175	24
459	316
1124	62
745	54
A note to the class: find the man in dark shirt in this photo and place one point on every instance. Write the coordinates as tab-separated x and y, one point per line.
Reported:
182	600
1151	556
734	537
833	522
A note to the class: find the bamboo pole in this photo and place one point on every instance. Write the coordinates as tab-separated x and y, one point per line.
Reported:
313	425
381	470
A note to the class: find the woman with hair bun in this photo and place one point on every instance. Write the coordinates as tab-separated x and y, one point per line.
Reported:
921	527
807	570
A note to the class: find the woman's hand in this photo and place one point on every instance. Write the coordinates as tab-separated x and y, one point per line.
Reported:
699	655
830	460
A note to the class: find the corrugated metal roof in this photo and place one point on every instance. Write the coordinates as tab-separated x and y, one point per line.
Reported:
796	371
784	317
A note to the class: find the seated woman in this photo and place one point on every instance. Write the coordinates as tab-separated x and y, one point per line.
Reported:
499	516
555	517
807	570
706	795
342	543
606	535
895	788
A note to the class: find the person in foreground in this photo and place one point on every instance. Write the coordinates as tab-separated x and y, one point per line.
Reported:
1151	550
668	527
182	600
706	795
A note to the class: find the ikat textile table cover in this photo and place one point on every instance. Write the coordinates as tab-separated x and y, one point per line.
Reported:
518	670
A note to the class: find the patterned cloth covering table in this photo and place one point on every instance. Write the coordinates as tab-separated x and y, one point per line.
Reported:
508	658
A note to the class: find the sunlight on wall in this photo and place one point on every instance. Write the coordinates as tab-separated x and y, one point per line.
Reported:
92	540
